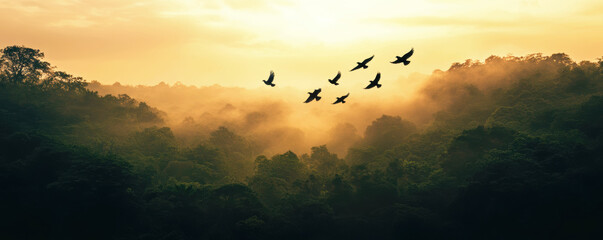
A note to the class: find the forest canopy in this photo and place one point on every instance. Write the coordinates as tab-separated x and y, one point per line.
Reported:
510	148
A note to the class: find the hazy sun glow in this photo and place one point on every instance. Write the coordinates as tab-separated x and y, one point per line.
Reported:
237	42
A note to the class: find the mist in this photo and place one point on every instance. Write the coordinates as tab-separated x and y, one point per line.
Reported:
276	117
278	121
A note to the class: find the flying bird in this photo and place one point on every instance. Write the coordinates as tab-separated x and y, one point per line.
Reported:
404	59
270	79
341	99
363	63
334	80
374	82
313	95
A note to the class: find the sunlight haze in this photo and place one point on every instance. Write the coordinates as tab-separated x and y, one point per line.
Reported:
237	43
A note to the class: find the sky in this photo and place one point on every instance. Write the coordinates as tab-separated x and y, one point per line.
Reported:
237	42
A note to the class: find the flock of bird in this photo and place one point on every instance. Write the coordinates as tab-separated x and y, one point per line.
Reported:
374	83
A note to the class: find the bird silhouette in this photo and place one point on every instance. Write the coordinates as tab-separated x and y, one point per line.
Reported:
313	95
341	99
404	59
363	63
334	80
270	80
374	82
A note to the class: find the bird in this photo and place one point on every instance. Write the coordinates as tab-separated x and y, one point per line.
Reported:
313	95
404	59
341	99
270	79
334	80
374	82
363	63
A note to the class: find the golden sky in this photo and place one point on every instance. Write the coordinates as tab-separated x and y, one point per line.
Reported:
237	42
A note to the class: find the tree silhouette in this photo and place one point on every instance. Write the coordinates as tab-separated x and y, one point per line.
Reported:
387	132
23	65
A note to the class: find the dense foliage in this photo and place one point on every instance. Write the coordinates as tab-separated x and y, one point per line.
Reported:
514	153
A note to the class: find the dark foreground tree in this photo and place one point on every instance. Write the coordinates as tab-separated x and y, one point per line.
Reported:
20	64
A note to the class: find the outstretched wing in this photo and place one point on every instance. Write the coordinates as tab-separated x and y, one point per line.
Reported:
371	85
310	98
337	77
359	66
409	53
368	60
345	96
378	77
271	76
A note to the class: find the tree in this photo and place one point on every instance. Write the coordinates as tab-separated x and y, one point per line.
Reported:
229	141
465	154
20	64
64	81
154	141
285	166
322	161
387	132
238	152
275	177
